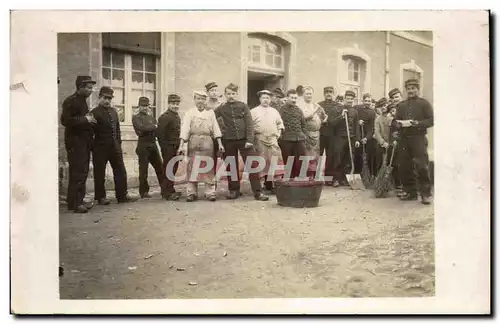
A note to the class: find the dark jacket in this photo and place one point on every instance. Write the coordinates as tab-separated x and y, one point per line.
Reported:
145	128
235	121
103	130
74	109
169	128
417	109
330	107
338	123
368	116
294	122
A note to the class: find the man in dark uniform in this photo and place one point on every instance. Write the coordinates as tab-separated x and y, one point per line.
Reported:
235	121
168	132
326	131
108	148
341	157
78	136
367	122
145	127
413	116
293	139
277	99
395	98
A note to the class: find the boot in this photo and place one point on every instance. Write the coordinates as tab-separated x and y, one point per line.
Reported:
408	196
261	197
173	196
126	199
233	195
81	209
211	198
145	195
191	198
103	201
426	200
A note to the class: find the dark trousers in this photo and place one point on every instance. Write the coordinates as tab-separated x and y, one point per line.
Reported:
268	183
341	159
413	157
380	162
295	149
112	153
371	156
148	154
78	149
231	149
168	152
324	144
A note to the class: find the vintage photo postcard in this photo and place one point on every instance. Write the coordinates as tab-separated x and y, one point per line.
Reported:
204	162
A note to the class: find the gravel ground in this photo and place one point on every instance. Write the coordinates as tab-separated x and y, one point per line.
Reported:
352	245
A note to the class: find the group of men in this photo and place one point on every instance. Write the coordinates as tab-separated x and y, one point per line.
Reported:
283	125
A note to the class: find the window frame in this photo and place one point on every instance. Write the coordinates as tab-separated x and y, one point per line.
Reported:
261	66
128	106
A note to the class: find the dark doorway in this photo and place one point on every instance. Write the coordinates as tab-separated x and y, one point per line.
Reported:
259	81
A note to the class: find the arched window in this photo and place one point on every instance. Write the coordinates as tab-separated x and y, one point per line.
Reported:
354	71
409	71
264	54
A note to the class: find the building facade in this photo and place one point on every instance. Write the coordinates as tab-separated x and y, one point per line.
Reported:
156	64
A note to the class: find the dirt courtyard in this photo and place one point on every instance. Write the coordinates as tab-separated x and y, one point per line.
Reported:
352	245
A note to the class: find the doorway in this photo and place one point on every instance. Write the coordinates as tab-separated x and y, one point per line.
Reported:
258	81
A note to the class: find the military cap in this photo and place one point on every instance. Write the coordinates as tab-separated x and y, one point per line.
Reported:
350	93
279	93
210	85
106	91
328	88
83	79
391	106
393	92
200	93
413	82
366	95
232	86
339	97
143	101
174	98
263	92
381	102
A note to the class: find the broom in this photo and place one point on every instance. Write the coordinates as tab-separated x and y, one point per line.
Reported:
365	170
383	181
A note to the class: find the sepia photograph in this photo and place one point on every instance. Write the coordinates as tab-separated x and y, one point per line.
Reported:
250	163
128	102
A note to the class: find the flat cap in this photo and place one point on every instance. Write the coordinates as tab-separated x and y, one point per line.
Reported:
143	101
278	92
263	92
106	91
328	88
393	92
413	82
174	98
200	93
350	93
83	79
210	85
381	102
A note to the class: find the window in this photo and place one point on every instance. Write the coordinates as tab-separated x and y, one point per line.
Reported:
131	76
265	55
411	70
353	75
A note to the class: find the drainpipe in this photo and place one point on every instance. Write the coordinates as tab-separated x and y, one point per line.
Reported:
387	46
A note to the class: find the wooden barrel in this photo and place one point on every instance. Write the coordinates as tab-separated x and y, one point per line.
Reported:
298	194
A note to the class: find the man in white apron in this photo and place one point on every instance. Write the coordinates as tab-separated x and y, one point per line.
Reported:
199	129
268	126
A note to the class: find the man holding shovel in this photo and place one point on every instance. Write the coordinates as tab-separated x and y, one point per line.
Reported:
344	138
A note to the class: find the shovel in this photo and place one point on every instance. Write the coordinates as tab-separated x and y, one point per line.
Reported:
354	180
